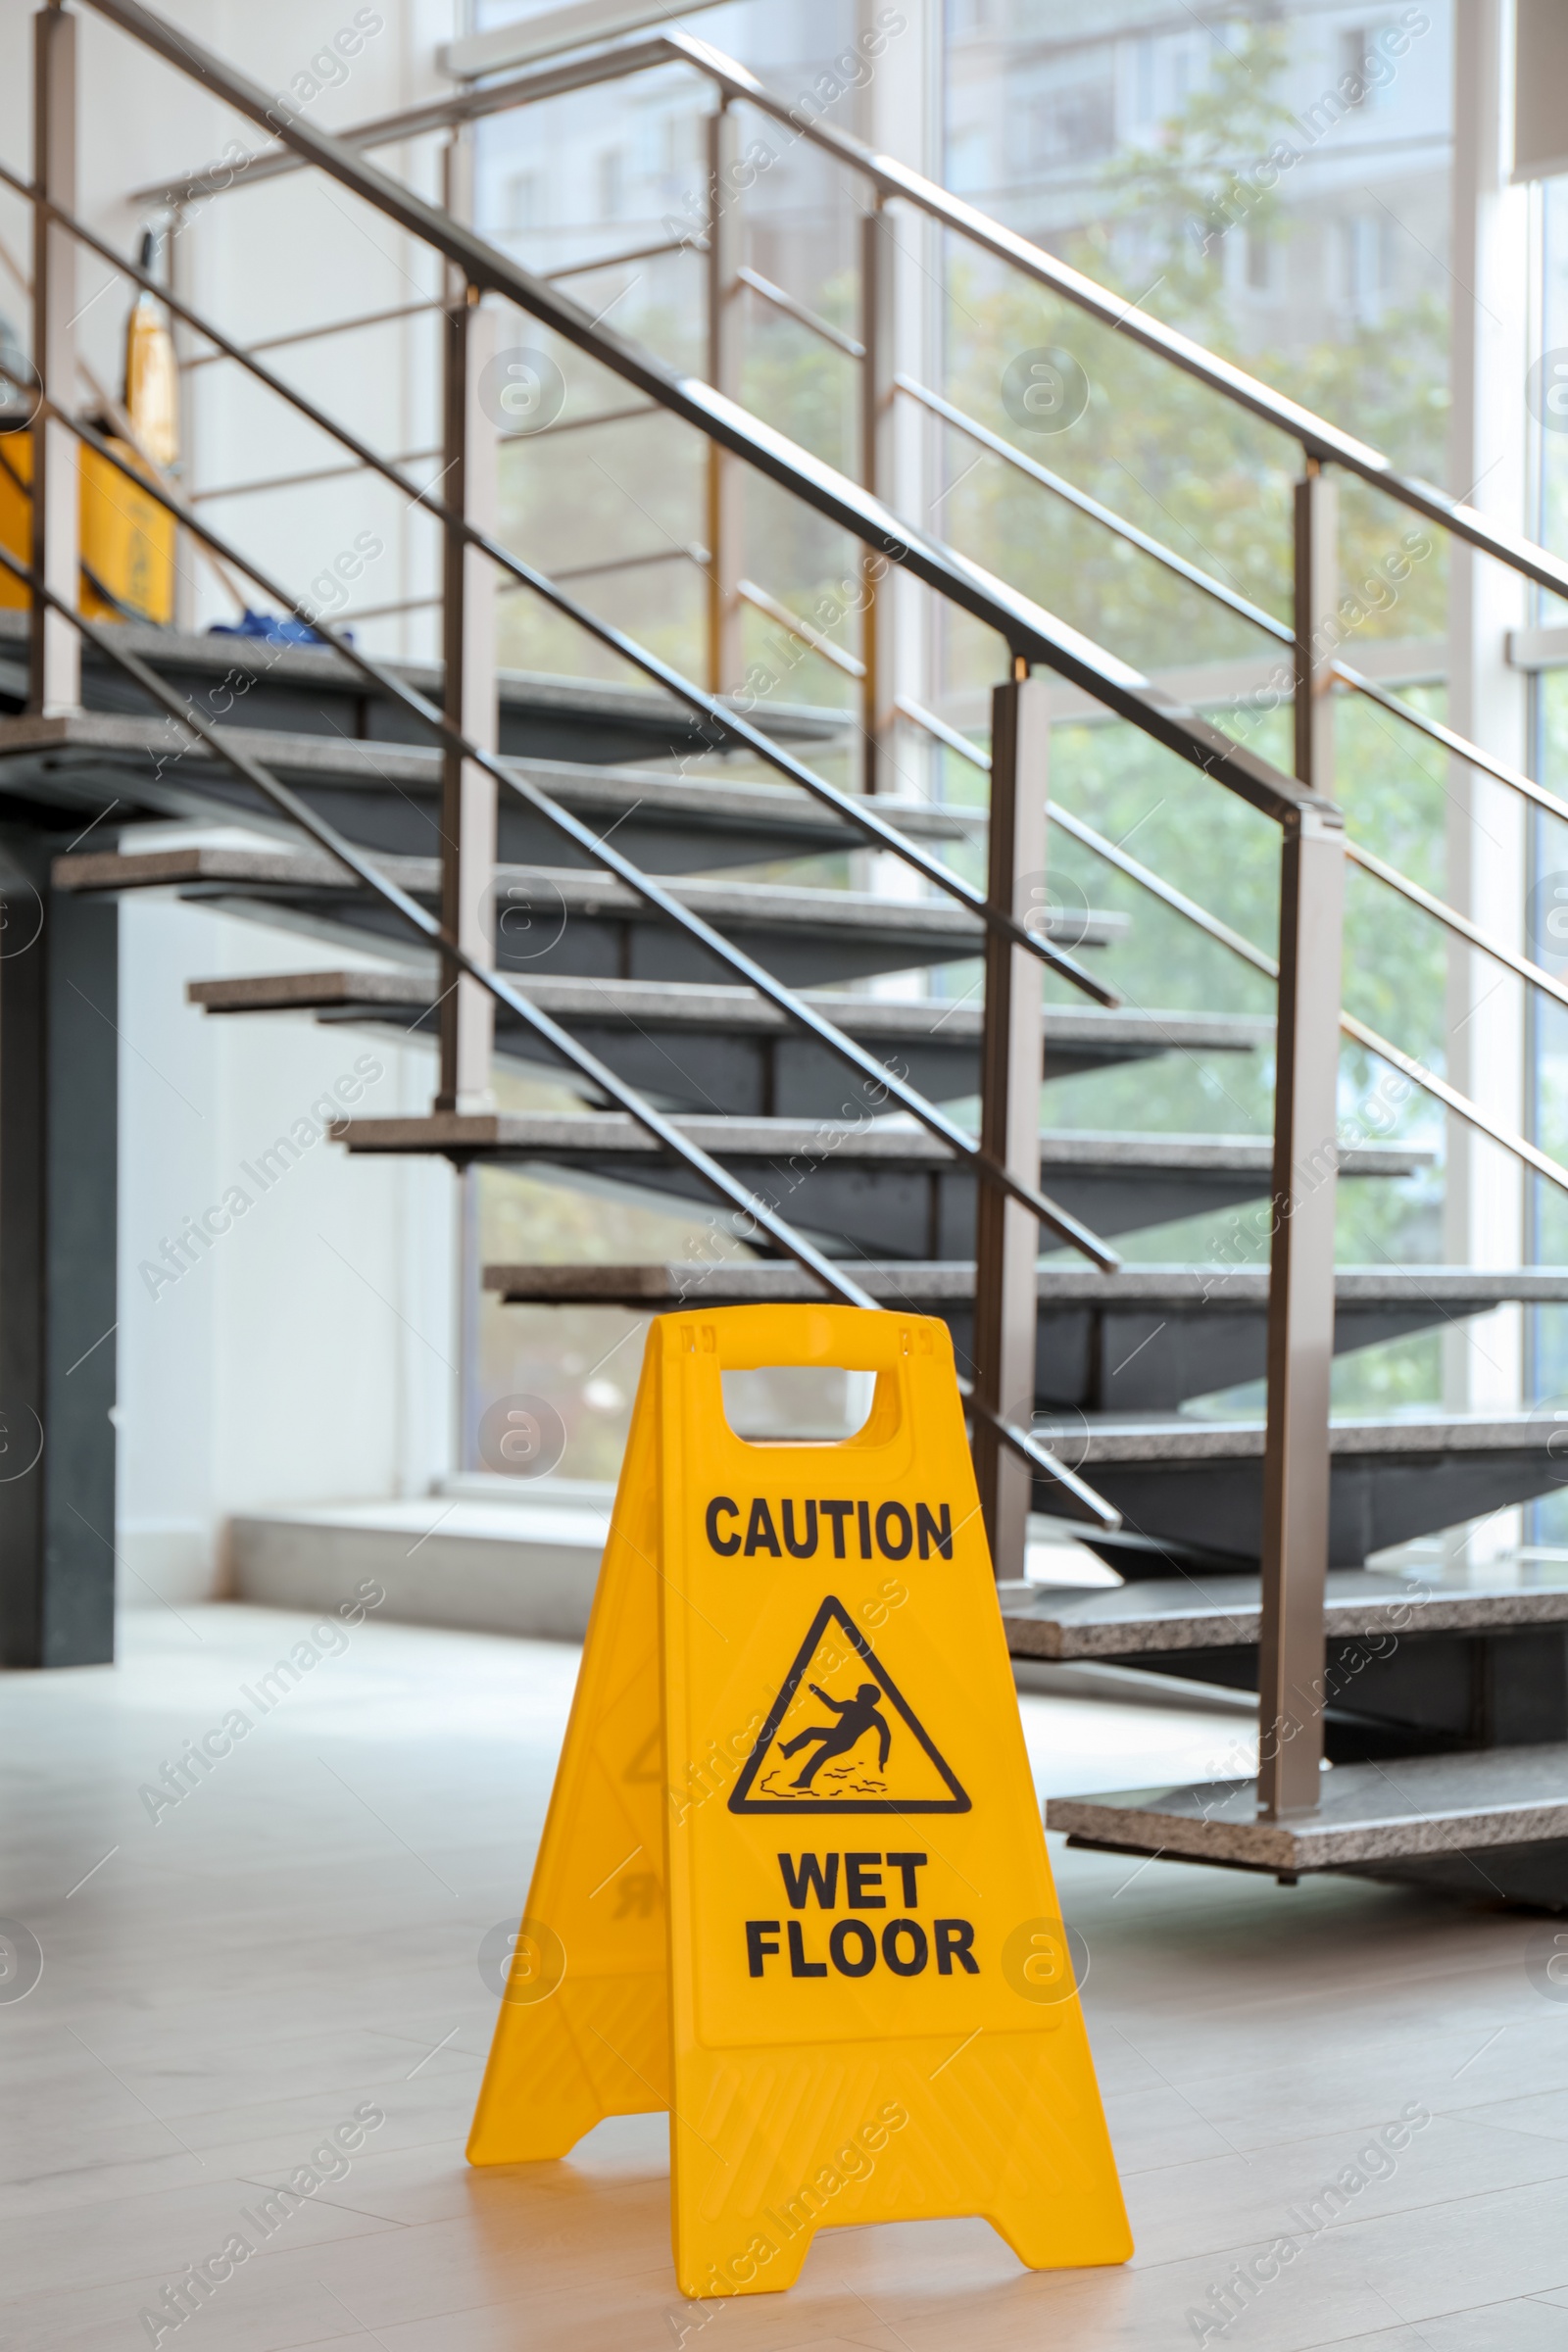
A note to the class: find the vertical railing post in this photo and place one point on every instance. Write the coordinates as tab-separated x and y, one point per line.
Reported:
725	478
55	661
183	284
1007	1236
1301	1303
469	486
878	423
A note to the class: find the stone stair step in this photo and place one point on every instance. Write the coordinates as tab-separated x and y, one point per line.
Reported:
1190	1488
1409	1668
884	1186
574	920
1174	1617
314	690
1490	1822
752	1062
386	796
1146	1338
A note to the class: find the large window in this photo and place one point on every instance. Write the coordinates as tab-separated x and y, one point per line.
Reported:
1278	186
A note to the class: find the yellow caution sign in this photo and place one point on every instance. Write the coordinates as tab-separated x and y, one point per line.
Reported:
793	1886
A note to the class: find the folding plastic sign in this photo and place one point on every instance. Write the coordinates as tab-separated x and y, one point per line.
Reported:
793	1886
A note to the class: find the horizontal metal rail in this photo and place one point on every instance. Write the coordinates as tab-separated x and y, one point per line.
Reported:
408	910
579	425
1437	907
315	334
1357	1031
591	572
620	261
419	121
1165	892
1057	815
1459	745
755	975
758	598
1222	934
1452	1100
838	1284
728	724
1031	633
300	482
1453	920
962	423
407	603
798	311
1317	437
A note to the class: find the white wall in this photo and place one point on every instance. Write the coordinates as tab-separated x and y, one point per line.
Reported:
307	1354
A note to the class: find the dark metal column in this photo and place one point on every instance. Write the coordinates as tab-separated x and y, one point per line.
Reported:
59	1002
1007	1236
1300	1306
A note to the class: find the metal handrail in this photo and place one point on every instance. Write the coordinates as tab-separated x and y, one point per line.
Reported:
1031	632
840	1285
1357	1031
710	412
962	423
1460	746
1319	438
796	1009
730	725
221	741
1367	860
1310	1015
1323	441
470	105
1105	676
1261	962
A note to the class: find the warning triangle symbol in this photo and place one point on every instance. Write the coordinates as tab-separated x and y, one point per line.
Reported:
841	1737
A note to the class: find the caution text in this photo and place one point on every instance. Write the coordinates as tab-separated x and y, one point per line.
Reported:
853	1530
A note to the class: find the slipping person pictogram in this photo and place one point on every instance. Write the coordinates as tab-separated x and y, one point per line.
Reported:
872	1755
856	1717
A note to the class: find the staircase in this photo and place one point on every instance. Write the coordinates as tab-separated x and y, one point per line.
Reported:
548	873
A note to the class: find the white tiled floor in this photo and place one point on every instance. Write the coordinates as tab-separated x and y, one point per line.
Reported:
300	1935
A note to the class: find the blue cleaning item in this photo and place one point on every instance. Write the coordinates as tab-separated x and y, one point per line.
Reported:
273	628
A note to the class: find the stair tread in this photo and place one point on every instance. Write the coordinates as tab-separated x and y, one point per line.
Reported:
883	1139
909	1282
694	1004
1368	1812
572	888
519	689
584	787
1169	1437
581	786
1204	1611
